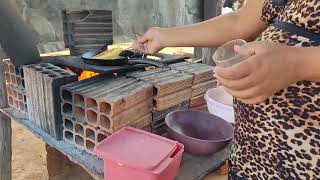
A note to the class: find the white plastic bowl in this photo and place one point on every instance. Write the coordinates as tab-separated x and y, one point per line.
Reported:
220	103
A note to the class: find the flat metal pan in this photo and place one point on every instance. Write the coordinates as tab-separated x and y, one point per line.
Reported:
78	63
127	57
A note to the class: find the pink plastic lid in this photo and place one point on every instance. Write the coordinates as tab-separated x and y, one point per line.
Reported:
136	148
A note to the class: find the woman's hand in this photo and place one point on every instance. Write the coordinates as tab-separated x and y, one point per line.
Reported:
272	67
151	42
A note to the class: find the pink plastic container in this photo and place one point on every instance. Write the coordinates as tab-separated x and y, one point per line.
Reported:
134	154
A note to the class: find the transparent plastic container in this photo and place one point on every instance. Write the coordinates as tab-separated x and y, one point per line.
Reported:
226	56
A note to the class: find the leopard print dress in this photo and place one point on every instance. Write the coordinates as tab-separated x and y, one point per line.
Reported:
280	138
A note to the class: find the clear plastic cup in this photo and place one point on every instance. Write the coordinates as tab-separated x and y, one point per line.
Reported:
226	56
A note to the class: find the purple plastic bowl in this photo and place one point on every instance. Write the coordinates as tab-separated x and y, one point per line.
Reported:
200	132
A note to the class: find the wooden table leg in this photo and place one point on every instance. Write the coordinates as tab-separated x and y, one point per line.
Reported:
5	147
5	132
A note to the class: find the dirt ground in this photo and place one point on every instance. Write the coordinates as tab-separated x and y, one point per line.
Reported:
29	157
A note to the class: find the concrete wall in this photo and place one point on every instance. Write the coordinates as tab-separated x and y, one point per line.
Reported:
130	16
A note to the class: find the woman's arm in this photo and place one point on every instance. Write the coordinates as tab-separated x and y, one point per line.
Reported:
244	24
308	63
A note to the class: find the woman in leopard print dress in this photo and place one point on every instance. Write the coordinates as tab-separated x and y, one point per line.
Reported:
277	90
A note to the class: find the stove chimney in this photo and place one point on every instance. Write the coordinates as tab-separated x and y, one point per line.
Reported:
15	35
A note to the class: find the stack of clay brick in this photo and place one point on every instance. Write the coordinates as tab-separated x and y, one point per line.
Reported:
94	108
42	85
15	86
81	134
172	91
203	80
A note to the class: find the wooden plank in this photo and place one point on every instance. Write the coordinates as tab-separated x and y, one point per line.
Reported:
3	92
192	167
5	132
5	147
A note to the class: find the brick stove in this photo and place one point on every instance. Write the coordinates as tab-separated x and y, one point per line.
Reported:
85	112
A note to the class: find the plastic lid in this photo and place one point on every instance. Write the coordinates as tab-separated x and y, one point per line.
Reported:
136	148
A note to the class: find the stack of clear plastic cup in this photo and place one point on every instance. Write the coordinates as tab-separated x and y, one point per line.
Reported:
226	56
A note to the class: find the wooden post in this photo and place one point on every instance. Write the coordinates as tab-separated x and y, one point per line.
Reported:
5	131
5	147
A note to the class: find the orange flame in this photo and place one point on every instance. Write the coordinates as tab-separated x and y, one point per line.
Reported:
86	75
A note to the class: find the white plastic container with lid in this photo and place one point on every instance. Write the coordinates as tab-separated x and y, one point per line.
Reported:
220	103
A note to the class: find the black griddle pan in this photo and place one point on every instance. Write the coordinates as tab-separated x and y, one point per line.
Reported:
128	57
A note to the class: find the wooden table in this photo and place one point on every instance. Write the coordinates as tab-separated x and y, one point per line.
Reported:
192	168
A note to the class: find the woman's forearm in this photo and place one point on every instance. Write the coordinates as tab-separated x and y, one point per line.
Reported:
308	63
244	24
204	34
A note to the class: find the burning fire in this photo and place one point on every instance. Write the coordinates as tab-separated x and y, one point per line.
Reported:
86	74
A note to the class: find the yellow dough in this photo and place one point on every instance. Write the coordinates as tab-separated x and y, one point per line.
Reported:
109	54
